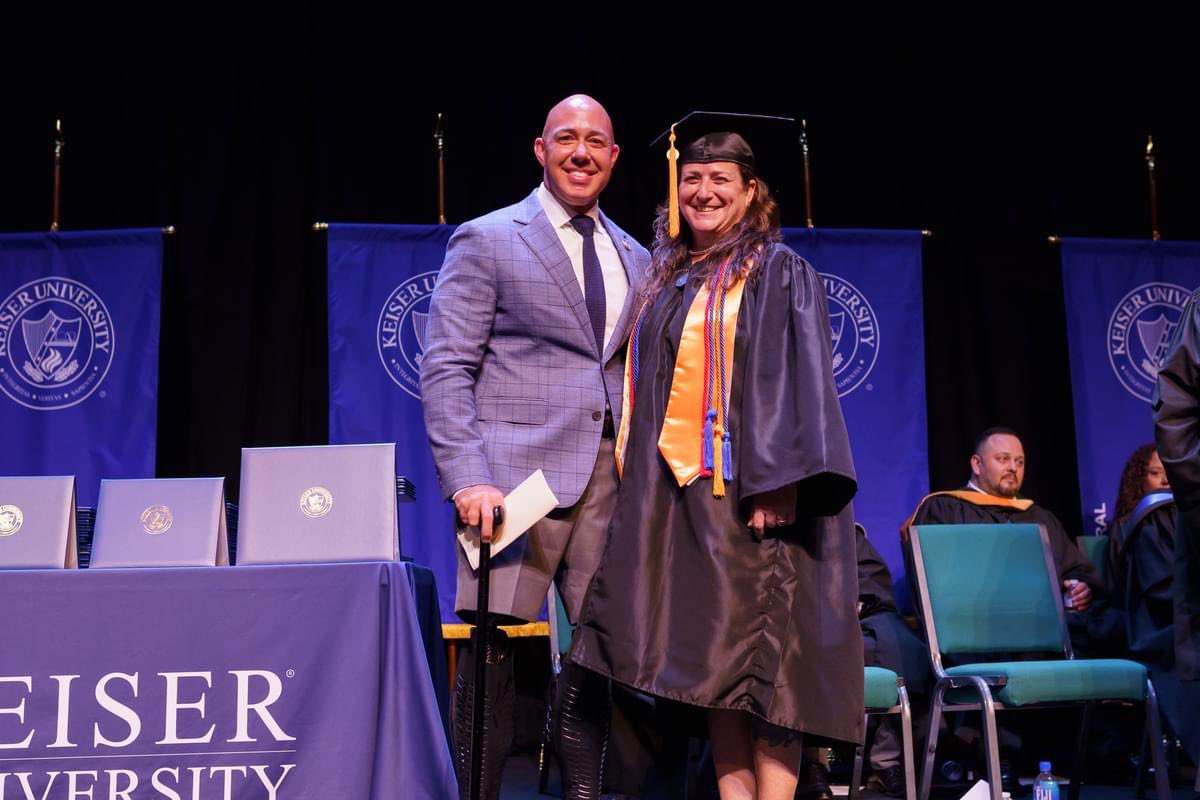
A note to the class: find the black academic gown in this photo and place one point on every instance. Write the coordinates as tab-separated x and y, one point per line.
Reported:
1147	566
1177	434
687	603
1144	571
874	578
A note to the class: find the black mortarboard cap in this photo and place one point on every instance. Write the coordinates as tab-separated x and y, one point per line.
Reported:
709	136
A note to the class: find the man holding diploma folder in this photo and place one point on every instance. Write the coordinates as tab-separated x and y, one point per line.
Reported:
523	366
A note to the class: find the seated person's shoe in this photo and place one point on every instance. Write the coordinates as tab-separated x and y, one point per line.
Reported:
814	782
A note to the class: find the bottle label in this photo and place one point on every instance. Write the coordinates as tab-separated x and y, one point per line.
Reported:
1045	790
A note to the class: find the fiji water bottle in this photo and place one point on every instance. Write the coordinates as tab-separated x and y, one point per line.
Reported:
1068	600
1045	786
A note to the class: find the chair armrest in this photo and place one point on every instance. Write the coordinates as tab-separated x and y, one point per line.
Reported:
968	681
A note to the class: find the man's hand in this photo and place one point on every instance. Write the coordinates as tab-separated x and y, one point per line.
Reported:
474	505
772	509
1079	592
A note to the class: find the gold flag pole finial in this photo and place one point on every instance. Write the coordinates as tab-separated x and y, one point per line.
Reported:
1155	233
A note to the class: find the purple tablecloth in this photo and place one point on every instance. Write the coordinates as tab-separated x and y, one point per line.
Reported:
299	681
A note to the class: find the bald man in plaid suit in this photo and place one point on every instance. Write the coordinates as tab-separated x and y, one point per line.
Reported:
523	365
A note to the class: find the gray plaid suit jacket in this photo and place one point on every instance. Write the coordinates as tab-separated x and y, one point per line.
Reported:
511	380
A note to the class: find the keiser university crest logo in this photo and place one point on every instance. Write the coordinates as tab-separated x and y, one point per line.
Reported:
1139	331
56	343
157	519
855	330
400	333
315	501
11	519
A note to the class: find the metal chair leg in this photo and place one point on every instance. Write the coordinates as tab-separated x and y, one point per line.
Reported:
991	741
906	738
1162	783
935	722
1139	776
856	773
1080	749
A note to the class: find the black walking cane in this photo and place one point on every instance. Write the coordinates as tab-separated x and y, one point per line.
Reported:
481	612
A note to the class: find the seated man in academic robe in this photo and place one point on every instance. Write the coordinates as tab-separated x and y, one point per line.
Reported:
993	495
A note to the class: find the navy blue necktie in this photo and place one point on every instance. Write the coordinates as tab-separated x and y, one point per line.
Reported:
593	278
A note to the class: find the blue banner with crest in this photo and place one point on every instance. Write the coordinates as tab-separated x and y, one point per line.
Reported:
873	286
79	332
380	279
1123	301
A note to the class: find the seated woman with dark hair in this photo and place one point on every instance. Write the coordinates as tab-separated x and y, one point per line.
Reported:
1141	565
1141	545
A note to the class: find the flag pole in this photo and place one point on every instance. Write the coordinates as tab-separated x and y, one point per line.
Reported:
56	201
1155	234
439	140
808	207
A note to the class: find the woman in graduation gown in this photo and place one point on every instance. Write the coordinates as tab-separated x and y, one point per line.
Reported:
1142	570
1140	549
729	581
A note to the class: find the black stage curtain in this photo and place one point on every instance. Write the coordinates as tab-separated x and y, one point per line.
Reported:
243	126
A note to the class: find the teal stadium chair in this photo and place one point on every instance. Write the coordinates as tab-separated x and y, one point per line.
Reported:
885	694
988	589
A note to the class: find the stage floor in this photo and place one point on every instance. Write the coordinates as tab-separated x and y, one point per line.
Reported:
521	783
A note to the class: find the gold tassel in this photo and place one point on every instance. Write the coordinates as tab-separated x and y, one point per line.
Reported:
718	472
672	187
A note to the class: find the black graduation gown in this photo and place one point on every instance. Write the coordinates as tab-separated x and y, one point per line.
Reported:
1148	563
1177	434
687	604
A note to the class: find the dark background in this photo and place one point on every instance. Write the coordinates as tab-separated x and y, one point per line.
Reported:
242	126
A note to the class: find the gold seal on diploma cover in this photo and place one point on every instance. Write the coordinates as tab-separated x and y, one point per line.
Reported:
157	519
316	501
10	520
